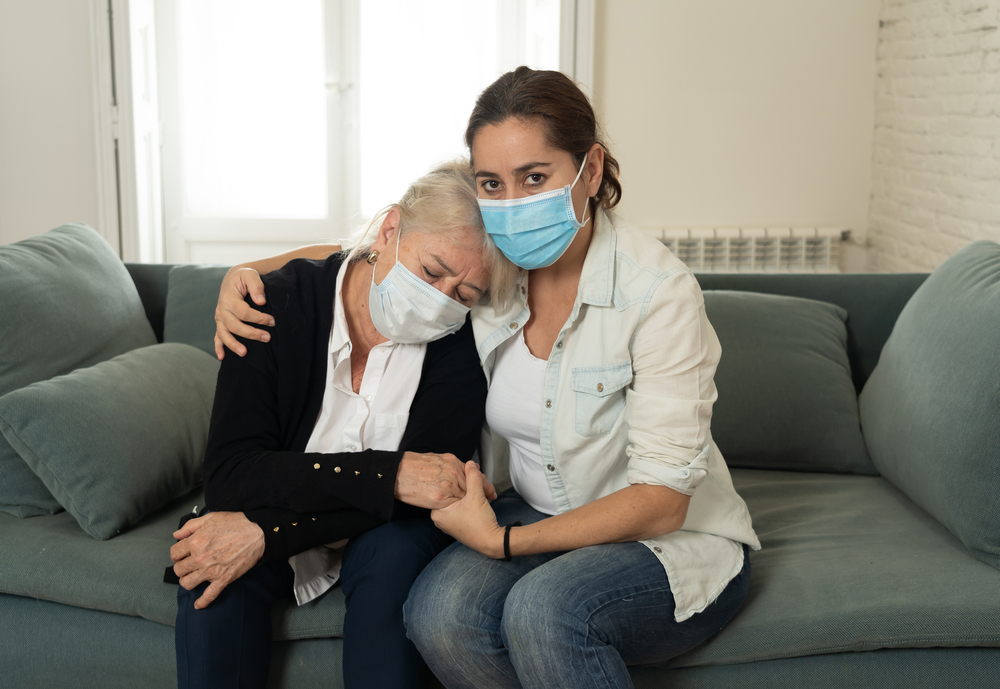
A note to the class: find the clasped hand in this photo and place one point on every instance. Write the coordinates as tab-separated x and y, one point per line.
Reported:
433	480
471	520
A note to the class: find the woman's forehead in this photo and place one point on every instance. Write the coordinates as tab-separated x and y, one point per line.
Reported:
513	142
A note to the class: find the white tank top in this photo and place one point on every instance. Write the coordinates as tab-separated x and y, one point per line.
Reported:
514	410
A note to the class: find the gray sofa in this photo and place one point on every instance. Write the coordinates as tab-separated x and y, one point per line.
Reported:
856	584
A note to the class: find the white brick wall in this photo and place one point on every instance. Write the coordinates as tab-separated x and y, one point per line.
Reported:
936	150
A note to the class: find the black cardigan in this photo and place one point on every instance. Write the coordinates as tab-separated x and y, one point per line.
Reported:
267	403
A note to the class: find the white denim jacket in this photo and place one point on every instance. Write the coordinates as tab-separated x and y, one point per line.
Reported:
628	394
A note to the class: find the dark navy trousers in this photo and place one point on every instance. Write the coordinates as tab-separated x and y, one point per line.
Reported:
228	644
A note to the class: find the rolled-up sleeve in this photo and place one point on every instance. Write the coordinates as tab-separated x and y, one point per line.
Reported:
675	354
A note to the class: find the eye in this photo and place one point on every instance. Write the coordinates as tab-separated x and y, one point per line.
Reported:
464	298
491	185
429	274
534	179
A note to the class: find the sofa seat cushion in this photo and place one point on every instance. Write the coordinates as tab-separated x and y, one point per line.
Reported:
52	558
849	563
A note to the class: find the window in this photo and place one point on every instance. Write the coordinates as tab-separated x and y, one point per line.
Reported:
290	123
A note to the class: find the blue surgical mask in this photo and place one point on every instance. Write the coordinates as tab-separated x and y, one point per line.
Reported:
407	310
535	231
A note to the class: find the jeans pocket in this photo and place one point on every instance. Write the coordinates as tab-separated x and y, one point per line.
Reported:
599	393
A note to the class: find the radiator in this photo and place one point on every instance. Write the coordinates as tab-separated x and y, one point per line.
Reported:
756	249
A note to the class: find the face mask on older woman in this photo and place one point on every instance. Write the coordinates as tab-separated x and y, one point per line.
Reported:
407	310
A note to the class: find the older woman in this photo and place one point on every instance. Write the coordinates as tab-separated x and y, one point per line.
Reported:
326	442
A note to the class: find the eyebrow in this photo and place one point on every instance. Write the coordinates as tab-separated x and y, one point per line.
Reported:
517	171
448	270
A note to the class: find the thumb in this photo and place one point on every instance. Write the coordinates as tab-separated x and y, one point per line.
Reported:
474	480
255	287
211	593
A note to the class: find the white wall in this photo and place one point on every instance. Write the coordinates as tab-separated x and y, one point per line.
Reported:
48	168
936	178
729	113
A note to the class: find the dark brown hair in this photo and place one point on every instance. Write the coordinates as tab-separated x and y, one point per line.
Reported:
554	100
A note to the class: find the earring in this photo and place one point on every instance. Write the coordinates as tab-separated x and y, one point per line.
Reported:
372	257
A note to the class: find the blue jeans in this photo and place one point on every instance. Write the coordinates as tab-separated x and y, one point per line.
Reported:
228	644
574	619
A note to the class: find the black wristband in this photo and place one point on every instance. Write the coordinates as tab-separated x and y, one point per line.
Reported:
506	541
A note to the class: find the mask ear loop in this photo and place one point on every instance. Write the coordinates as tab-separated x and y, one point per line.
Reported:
585	218
399	231
373	256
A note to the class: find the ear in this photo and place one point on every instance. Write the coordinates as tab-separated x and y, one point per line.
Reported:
387	231
594	171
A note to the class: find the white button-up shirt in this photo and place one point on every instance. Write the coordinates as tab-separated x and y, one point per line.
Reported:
373	418
627	399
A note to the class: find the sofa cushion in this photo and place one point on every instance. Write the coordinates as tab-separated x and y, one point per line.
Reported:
786	399
68	301
192	293
118	440
849	563
124	575
931	408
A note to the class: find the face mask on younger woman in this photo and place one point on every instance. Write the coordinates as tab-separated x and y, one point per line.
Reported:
535	231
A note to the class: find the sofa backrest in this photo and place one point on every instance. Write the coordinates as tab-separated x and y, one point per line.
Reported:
873	301
151	280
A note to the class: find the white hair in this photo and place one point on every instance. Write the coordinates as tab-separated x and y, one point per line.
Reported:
443	201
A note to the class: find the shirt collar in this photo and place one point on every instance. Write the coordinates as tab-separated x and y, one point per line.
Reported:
597	279
340	336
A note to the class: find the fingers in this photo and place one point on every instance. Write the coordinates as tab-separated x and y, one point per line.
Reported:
190	576
186	567
211	593
179	551
189	528
232	314
228	325
242	313
227	340
491	492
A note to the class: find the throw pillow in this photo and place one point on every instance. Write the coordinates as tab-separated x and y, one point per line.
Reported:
786	400
192	293
931	408
118	440
68	301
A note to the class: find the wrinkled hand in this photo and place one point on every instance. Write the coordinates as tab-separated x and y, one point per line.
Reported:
433	481
232	313
471	520
219	547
